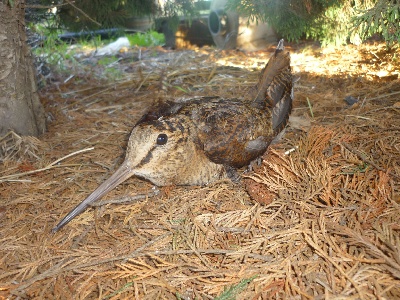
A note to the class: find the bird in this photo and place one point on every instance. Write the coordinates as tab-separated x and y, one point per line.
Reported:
205	139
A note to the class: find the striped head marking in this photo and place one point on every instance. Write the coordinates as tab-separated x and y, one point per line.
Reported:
156	149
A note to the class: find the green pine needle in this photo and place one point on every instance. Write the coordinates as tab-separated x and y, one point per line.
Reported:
310	107
231	293
119	290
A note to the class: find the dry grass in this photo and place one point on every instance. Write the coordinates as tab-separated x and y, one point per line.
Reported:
319	222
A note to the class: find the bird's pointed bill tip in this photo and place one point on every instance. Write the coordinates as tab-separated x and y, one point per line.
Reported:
123	173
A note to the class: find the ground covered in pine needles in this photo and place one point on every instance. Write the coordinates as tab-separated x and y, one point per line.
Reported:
318	219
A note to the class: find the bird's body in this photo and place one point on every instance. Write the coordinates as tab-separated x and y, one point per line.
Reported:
206	139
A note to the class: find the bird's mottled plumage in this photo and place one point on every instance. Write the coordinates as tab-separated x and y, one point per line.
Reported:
205	139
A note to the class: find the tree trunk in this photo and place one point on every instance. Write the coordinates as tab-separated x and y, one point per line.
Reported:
20	107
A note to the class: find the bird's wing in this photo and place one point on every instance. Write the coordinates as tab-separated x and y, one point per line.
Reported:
231	132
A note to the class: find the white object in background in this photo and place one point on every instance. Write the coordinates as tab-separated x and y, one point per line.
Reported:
114	47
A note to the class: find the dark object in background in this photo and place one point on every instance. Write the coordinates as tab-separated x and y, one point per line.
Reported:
88	35
350	100
167	28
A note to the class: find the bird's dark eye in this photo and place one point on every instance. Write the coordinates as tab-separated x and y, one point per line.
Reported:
162	139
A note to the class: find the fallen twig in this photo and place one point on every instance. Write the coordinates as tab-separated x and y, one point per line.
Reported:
48	167
126	199
364	158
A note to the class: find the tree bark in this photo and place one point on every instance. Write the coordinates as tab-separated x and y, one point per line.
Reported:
20	107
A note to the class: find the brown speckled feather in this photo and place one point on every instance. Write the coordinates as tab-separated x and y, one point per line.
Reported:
226	127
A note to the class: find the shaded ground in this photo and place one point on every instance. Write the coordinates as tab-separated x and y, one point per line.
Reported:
321	221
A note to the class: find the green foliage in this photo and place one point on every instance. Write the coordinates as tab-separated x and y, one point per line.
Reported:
95	41
112	74
339	25
61	56
329	21
291	18
175	8
107	60
151	38
383	18
94	14
9	2
53	50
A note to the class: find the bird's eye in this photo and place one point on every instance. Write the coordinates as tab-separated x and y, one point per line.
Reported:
162	139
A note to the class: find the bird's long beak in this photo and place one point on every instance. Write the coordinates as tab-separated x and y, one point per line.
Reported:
123	173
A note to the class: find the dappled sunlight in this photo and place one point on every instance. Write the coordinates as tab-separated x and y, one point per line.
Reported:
370	61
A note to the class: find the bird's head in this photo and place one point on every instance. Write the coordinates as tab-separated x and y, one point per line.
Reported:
158	150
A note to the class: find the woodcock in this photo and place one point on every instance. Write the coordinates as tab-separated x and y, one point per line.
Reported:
205	139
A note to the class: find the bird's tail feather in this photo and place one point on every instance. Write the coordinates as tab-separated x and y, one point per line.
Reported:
275	88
